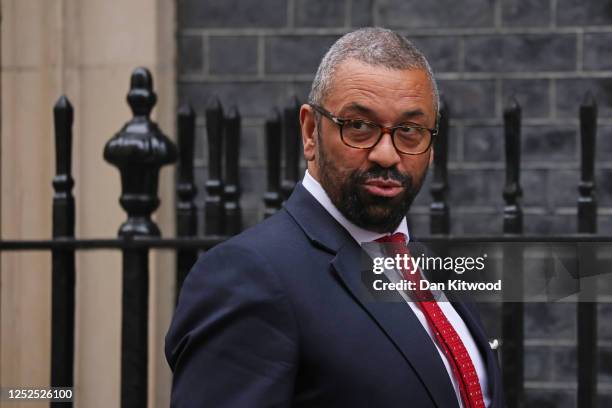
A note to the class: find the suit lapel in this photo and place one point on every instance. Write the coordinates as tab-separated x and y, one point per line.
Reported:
493	377
401	326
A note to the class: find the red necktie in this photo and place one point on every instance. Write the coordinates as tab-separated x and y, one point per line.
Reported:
447	337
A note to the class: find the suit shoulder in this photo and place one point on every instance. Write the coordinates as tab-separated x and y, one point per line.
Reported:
253	251
236	268
231	294
271	236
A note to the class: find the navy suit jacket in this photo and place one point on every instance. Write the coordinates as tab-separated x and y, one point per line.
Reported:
276	317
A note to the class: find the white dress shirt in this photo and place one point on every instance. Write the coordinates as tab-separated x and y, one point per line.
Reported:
361	236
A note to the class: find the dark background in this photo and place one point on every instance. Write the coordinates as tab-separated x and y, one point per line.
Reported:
256	54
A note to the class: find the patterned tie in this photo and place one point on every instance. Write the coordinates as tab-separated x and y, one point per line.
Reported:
446	336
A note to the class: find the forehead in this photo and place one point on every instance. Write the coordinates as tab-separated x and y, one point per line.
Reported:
385	91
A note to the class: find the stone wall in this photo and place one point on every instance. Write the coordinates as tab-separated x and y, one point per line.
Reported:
86	50
545	53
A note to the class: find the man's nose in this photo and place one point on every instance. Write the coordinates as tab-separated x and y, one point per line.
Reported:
384	153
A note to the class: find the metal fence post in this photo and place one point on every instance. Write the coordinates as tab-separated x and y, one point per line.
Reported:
214	211
513	312
63	267
272	197
186	211
138	150
291	141
231	191
586	318
513	215
440	213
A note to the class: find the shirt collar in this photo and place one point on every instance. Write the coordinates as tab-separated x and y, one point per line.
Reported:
359	234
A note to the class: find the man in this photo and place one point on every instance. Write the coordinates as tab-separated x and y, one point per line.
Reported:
275	317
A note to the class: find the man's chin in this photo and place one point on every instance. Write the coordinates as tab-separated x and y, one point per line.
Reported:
382	216
379	217
386	210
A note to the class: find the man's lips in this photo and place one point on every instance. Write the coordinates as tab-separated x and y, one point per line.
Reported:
383	187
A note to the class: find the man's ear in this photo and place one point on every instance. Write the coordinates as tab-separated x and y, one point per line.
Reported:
431	156
308	126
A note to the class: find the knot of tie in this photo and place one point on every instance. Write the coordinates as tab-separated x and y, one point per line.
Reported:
397	238
394	244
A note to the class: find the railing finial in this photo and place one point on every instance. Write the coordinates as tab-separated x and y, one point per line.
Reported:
139	150
141	96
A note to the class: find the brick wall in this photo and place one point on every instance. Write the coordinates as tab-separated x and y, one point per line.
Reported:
547	53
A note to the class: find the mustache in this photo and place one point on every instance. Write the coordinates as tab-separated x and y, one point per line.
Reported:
388	173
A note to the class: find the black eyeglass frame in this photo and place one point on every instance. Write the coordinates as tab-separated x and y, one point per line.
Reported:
383	129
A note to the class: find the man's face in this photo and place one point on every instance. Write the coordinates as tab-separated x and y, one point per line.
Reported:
373	188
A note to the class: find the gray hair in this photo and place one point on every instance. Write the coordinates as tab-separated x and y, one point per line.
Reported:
375	46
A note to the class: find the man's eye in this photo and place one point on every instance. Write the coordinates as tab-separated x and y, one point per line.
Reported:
409	130
359	125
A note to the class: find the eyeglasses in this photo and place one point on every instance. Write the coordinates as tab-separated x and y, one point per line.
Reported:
363	134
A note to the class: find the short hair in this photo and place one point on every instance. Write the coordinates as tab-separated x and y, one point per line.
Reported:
375	46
